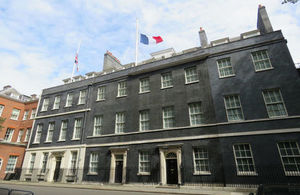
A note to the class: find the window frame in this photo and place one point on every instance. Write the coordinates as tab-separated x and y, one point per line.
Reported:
96	125
44	163
144	83
38	133
45	105
219	62
77	129
63	130
82	97
144	121
163	80
233	108
26	114
118	123
49	138
8	137
268	59
1	109
147	162
27	135
196	172
69	100
200	114
168	118
93	163
33	113
15	116
1	163
56	103
282	102
14	165
123	89
73	163
31	163
289	173
101	93
244	173
20	135
195	74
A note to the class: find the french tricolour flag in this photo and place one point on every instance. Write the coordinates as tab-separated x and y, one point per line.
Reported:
150	39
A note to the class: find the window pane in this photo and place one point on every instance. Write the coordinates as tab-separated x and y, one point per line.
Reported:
261	60
225	67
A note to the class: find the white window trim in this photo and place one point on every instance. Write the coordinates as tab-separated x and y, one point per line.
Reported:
1	163
270	68
47	138
70	173
231	75
201	113
67	100
27	135
26	114
14	164
124	122
31	169
44	108
226	109
244	173
282	103
161	81
33	113
200	172
140	121
185	77
19	139
11	134
98	93
74	129
18	115
144	173
56	101
94	125
118	95
36	133
90	162
140	88
2	109
288	173
41	164
80	96
163	118
60	132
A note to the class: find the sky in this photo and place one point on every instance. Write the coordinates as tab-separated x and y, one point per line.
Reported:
39	38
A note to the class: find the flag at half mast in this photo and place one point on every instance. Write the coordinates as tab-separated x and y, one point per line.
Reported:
145	39
76	62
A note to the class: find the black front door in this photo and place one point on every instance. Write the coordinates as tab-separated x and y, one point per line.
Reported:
119	172
172	172
57	169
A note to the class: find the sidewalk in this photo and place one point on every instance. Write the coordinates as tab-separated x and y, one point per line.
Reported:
144	188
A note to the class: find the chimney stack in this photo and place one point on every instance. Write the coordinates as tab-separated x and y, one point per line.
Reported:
33	96
263	23
203	38
6	87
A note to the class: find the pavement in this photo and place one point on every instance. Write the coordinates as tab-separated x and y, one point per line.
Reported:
205	190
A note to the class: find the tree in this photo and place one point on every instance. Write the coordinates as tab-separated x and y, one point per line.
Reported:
289	1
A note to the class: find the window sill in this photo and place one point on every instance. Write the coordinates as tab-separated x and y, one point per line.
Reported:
67	106
121	96
166	87
144	92
61	140
47	142
247	174
275	117
228	76
55	108
264	69
232	121
80	104
101	100
36	143
94	136
91	173
43	111
191	82
13	119
202	173
292	174
146	174
75	139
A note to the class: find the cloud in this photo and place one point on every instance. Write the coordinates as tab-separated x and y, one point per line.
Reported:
39	38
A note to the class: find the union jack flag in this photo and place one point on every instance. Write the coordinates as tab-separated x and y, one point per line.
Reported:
76	61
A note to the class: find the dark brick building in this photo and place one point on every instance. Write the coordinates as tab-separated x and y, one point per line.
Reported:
224	113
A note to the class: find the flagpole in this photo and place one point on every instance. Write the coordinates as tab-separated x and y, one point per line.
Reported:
74	61
137	42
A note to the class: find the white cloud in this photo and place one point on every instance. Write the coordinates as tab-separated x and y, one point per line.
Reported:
39	38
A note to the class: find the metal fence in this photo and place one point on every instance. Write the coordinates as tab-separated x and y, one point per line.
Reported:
217	176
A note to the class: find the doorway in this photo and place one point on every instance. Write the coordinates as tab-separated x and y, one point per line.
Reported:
57	171
119	168
171	168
